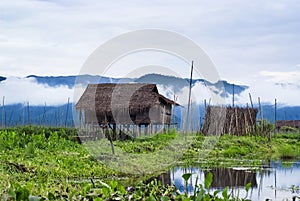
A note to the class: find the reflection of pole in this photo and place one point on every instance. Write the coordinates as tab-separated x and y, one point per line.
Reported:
260	184
189	101
275	184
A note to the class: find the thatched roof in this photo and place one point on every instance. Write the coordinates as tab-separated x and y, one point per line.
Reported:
108	97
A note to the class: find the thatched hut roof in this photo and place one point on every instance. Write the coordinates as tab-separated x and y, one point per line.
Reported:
107	97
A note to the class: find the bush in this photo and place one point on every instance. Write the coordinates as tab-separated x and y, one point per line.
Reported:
289	129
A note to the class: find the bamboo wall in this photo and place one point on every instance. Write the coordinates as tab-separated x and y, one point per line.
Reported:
229	120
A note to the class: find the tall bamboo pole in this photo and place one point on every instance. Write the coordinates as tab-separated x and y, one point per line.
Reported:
261	115
173	112
275	114
67	112
44	115
200	118
189	100
28	113
23	114
251	102
3	112
232	95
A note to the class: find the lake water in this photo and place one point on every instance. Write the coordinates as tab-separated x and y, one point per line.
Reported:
274	181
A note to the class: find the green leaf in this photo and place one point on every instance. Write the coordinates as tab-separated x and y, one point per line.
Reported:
12	193
200	195
186	176
122	190
208	180
225	193
216	192
151	198
164	198
51	196
248	187
113	184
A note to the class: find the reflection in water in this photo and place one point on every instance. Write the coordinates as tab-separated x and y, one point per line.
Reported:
273	182
232	177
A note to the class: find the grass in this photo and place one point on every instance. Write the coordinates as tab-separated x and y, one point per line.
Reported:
144	156
45	162
250	147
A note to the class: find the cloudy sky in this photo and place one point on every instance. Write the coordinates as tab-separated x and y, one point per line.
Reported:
249	42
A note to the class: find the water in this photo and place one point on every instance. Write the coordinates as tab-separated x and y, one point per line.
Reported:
274	181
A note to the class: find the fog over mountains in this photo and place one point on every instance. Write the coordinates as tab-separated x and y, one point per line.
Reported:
47	96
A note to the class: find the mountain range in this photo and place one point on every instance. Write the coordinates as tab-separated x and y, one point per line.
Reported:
18	114
175	82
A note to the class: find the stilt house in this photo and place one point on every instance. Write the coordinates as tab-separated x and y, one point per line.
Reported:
124	104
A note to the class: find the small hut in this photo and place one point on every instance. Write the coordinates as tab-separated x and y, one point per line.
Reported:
124	105
287	123
229	120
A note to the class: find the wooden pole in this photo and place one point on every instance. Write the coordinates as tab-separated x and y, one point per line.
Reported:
173	112
163	119
28	113
189	100
261	115
67	112
200	118
275	114
191	117
3	112
232	95
80	118
44	115
251	100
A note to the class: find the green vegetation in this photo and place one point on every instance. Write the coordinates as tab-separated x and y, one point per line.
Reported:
248	149
43	163
47	164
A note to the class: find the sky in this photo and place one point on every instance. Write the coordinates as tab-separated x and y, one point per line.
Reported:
255	43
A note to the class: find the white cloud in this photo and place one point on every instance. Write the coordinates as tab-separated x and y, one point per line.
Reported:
268	85
282	77
18	90
200	92
59	35
56	37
